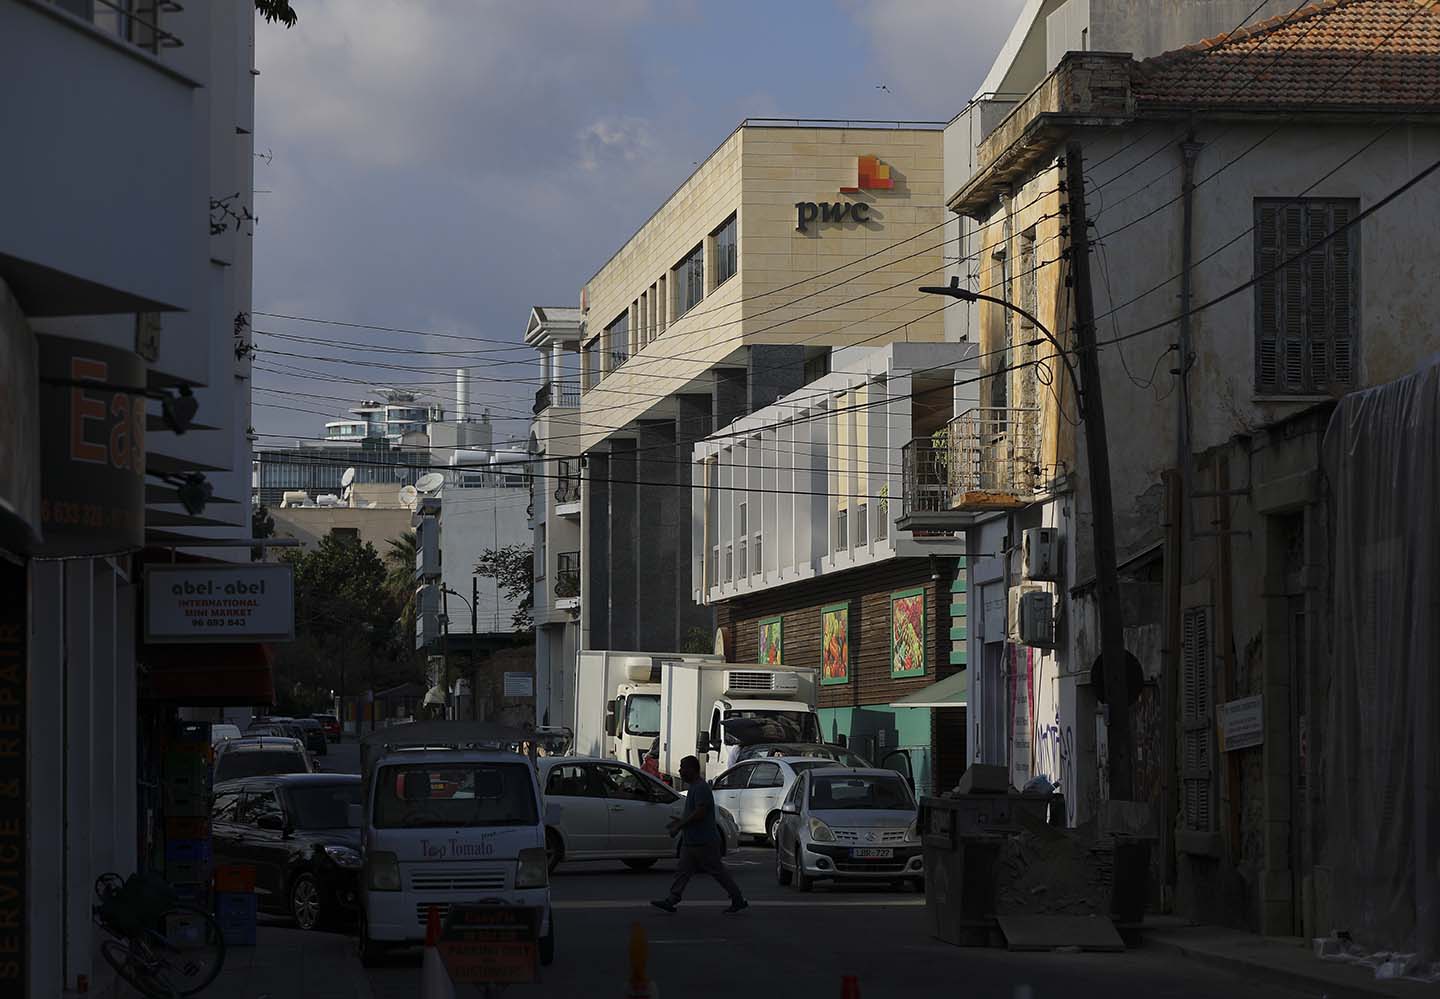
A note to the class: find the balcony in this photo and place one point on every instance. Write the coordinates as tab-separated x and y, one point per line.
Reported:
986	459
105	220
564	393
567	489
567	581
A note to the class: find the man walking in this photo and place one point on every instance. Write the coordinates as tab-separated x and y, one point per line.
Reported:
699	843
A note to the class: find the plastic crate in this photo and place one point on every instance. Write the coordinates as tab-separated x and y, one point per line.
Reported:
236	905
181	804
196	850
196	894
235	878
187	828
188	872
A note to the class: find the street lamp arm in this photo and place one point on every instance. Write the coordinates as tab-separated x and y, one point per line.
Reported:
953	290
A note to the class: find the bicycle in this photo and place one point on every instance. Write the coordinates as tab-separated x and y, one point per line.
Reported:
163	948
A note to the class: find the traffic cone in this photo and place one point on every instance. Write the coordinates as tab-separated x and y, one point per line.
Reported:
849	987
434	979
640	986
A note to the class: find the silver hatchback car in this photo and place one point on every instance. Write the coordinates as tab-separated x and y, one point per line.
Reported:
844	824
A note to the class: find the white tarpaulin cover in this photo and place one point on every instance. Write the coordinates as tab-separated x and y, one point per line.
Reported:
1380	750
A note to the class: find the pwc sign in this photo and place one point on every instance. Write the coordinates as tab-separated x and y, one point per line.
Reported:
870	175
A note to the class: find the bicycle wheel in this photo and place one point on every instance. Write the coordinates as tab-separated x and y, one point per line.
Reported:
188	950
133	970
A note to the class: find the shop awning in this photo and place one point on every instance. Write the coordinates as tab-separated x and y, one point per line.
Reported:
951	692
231	674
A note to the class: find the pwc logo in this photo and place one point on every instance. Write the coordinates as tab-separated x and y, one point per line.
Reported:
871	175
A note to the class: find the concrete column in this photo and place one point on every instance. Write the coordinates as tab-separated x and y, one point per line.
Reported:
624	546
774	371
731	397
105	718
78	877
663	517
595	553
45	782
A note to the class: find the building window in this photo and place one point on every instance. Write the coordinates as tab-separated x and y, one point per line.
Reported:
729	563
817	366
712	571
540	551
862	527
690	281
1024	351
841	526
759	566
590	364
741	515
350	535
997	322
661	310
1306	326
617	340
727	260
741	564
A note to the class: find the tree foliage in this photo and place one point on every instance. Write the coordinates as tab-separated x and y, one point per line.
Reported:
513	568
277	10
344	627
400	581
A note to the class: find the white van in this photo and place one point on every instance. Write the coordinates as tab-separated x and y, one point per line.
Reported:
450	814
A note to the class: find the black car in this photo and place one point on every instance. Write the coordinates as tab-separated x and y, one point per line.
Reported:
315	740
295	831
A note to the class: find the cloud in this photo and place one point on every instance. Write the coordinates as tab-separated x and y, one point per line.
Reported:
933	54
627	140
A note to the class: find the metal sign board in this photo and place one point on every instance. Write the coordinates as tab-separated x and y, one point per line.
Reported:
220	603
491	944
519	685
1242	723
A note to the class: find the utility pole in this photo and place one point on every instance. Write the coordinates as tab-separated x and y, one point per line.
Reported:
474	636
1097	450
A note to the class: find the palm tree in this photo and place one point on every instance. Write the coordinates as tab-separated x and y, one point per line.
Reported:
400	578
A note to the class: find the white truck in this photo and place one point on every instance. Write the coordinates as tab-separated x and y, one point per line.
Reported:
710	709
617	702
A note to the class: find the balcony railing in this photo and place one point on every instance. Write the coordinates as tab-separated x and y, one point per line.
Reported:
567	484
985	459
134	21
564	393
567	575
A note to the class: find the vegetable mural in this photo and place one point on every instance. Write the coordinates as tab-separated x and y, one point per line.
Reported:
835	647
771	641
907	633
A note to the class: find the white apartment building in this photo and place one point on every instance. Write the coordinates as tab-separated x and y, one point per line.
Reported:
125	264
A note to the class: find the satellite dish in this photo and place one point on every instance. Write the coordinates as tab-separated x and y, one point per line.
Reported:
408	496
429	482
347	477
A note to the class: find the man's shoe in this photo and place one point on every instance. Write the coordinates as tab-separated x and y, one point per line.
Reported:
736	905
664	903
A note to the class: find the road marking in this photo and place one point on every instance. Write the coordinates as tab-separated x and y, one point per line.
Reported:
755	903
693	940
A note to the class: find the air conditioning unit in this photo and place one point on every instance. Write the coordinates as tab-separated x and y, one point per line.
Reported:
1037	619
1041	549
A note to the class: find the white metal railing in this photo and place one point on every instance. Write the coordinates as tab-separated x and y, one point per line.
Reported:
133	21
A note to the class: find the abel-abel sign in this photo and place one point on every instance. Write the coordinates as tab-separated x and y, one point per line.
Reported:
219	603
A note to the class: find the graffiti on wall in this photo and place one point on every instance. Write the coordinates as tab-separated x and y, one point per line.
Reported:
1022	710
1055	758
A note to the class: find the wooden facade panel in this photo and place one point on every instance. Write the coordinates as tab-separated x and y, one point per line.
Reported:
868	593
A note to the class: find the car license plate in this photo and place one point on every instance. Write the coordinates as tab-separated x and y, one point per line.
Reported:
873	853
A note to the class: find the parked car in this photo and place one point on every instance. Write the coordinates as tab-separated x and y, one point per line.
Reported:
752	791
844	824
220	731
261	756
297	832
331	725
600	809
818	750
314	732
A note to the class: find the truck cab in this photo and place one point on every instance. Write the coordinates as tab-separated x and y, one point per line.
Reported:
632	721
712	710
450	813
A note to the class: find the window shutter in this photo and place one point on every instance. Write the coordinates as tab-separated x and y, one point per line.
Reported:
1197	770
1342	316
1293	342
1267	343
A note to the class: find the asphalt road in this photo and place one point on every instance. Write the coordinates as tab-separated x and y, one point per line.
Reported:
798	945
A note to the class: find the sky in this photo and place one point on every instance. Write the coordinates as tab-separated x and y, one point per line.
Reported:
440	166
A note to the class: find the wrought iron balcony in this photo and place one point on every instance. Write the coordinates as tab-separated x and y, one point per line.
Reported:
567	578
984	459
567	483
564	392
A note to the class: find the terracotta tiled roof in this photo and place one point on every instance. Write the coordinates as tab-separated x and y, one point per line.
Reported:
1337	53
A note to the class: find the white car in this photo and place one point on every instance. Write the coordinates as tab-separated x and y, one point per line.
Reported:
222	732
846	824
753	790
601	809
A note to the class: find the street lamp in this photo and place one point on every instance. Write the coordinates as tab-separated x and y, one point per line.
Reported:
474	598
953	290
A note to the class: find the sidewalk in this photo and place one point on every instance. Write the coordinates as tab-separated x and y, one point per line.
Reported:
1283	961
